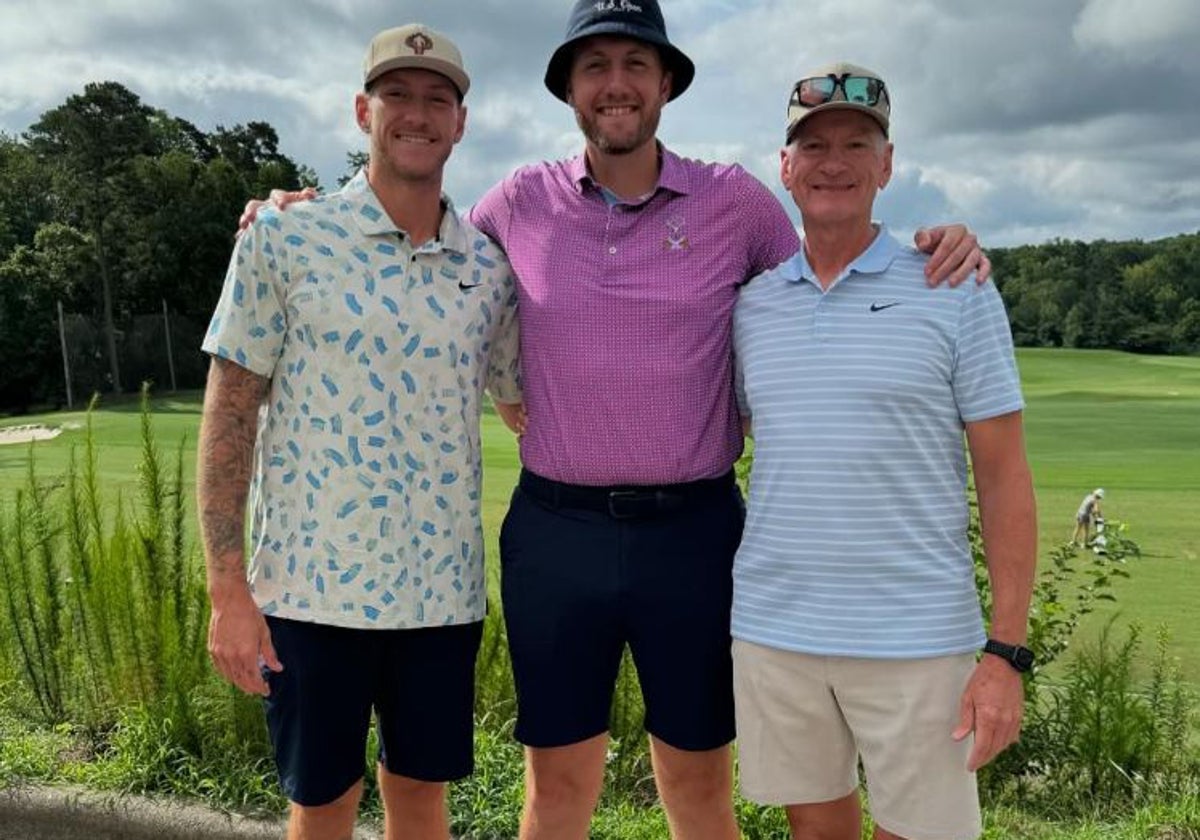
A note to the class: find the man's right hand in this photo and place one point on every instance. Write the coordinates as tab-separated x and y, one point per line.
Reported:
278	198
239	641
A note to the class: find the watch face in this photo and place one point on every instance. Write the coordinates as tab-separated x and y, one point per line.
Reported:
1023	658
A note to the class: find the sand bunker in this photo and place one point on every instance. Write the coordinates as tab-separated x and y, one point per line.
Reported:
24	434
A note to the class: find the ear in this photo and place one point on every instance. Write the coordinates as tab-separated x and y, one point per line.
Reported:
885	174
362	111
668	82
462	123
785	168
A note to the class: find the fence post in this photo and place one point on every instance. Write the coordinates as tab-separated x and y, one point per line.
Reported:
62	337
167	333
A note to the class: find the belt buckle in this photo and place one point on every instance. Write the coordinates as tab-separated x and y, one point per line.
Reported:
615	497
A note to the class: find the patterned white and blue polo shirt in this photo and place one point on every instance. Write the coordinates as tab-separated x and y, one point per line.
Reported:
856	535
366	494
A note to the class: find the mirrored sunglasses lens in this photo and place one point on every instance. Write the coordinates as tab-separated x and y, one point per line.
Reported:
862	89
813	92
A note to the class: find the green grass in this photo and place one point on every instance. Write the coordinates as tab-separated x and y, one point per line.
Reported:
1130	424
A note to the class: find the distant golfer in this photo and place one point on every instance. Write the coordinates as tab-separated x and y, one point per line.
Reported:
1086	516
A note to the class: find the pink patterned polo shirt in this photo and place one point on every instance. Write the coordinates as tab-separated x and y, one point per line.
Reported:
625	312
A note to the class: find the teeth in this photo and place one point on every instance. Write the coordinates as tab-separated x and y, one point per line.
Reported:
409	138
617	111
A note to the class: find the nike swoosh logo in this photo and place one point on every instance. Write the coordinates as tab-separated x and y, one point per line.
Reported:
466	287
879	307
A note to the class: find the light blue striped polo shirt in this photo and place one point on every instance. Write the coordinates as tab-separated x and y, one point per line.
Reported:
856	536
366	496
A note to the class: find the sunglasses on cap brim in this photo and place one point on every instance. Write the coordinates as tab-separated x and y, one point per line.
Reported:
817	90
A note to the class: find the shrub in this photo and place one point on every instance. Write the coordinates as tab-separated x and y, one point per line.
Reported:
1099	741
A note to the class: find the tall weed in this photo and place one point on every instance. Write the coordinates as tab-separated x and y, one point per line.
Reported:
105	604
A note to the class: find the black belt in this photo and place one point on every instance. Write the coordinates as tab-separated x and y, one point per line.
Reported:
632	501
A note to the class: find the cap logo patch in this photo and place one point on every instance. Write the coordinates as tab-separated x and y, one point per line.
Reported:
617	6
419	43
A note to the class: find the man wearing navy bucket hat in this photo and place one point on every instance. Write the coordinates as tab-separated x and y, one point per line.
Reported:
624	524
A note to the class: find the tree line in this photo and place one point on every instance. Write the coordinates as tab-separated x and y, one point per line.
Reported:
1142	297
118	211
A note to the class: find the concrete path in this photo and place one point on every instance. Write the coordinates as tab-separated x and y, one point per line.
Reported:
38	813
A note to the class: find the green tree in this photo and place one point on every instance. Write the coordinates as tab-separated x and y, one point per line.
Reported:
33	280
89	144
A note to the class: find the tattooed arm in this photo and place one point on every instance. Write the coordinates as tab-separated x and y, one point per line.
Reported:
238	638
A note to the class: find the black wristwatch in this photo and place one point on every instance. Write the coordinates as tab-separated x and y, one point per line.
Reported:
1019	657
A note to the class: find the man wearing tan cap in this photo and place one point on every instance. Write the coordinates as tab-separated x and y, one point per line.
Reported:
351	347
856	624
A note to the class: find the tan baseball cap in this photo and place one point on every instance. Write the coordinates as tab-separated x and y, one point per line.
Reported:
415	45
841	85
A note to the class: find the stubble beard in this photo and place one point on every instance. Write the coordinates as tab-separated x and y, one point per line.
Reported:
647	128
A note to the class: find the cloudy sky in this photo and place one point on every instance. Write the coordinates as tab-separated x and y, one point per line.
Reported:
1028	119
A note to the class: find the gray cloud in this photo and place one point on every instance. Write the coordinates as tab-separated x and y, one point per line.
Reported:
1029	120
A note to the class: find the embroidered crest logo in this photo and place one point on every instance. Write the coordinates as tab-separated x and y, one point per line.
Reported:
617	6
677	239
419	43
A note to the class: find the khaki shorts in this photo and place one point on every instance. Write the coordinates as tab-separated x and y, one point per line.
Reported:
803	721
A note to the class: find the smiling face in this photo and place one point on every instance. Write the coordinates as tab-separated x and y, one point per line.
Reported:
414	118
837	162
617	87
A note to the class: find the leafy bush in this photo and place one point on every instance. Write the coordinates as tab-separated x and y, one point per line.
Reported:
1099	740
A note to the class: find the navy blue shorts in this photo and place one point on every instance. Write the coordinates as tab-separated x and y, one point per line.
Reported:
419	683
587	571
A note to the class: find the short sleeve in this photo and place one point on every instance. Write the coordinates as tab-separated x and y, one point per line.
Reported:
985	378
249	325
503	367
492	214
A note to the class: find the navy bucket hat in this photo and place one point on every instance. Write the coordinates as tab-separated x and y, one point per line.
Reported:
641	20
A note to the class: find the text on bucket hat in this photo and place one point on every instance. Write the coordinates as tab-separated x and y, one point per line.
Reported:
641	20
842	86
417	46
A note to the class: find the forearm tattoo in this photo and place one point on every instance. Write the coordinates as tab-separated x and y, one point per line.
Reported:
226	452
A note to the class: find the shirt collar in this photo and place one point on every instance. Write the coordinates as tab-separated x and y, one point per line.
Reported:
373	220
672	174
875	260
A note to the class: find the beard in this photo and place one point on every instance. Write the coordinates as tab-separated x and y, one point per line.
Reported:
625	142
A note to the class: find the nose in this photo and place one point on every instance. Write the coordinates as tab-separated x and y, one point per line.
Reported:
616	78
833	162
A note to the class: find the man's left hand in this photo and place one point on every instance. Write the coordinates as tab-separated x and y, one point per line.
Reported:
991	706
954	254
